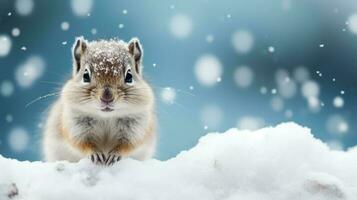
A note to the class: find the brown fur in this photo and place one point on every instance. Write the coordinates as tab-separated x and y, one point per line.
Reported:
78	119
85	147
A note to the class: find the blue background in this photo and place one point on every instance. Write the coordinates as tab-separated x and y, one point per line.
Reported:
294	32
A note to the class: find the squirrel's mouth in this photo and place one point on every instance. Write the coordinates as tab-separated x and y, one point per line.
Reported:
107	109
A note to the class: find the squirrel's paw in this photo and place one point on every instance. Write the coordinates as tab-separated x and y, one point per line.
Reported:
112	158
98	158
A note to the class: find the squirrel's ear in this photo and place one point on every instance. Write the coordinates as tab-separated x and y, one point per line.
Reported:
136	50
78	49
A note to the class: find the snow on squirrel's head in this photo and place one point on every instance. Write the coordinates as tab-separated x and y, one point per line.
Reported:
107	77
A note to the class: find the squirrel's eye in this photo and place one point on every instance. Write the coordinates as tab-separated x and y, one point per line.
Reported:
86	76
129	77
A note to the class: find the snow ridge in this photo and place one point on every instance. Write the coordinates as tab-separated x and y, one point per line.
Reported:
274	163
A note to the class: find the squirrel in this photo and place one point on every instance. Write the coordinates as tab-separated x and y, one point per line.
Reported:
105	112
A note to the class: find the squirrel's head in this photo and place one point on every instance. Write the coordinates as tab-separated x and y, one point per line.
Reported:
107	78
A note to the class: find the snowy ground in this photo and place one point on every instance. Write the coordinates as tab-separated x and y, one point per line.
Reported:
284	162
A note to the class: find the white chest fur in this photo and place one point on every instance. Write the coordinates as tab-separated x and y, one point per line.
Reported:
105	131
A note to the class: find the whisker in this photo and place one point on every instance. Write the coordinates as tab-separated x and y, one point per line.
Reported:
40	98
182	106
178	90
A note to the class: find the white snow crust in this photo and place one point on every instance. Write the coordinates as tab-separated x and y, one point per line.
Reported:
273	163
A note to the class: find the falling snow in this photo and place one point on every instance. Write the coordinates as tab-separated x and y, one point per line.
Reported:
9	118
181	26
168	95
310	89
212	115
243	76
94	31
301	74
352	23
6	88
314	104
28	72
277	103
24	7
207	69
337	124
271	49
15	32
64	26
338	102
288	89
209	38
217	56
250	123
263	90
242	41
5	45
18	139
82	8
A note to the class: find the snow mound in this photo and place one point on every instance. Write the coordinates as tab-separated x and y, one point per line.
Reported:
284	162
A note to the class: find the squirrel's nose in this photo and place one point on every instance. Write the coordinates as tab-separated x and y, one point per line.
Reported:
107	96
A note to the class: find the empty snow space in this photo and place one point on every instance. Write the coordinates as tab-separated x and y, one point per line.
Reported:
274	163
